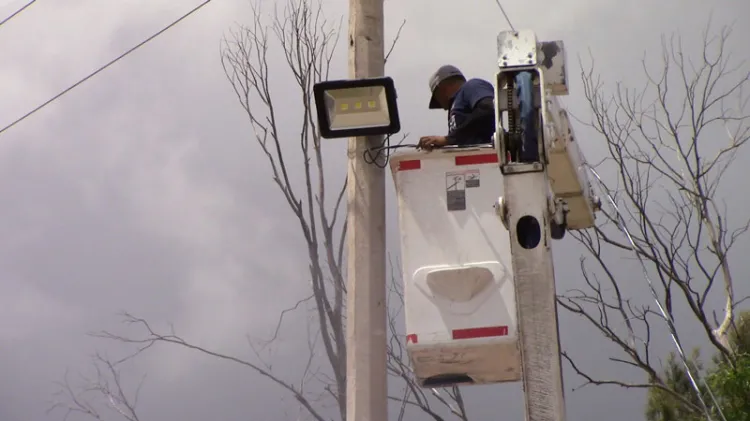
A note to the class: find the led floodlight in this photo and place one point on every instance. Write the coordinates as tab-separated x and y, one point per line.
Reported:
360	107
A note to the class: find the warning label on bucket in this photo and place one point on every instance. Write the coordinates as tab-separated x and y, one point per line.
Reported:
455	189
472	179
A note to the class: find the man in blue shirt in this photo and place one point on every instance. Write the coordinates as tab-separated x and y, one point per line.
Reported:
470	106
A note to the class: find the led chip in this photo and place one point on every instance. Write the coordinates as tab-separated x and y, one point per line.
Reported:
344	107
358	105
371	104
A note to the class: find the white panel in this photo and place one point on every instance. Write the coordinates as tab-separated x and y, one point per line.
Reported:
516	48
553	62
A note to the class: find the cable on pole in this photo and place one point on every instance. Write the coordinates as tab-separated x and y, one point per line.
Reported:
104	67
17	12
384	150
667	318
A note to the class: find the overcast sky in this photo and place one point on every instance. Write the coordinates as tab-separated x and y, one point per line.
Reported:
142	189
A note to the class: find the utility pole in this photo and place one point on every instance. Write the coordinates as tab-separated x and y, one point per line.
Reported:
366	370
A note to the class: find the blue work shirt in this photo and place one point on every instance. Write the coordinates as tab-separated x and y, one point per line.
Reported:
472	91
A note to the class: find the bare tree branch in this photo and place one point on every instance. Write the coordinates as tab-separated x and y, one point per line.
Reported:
106	386
664	144
395	41
151	337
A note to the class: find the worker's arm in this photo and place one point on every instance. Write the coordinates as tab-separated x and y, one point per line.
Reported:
478	124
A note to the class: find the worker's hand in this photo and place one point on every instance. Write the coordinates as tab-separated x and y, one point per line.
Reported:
431	142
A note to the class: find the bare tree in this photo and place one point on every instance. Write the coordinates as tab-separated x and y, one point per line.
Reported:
306	41
669	188
670	145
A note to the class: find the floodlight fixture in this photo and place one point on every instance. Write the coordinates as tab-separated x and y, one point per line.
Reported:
356	107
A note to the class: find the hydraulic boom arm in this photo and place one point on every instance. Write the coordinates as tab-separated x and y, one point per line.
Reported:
546	193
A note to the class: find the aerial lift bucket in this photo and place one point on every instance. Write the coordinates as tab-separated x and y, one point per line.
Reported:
456	263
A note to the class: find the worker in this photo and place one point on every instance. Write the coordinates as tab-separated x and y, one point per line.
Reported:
470	106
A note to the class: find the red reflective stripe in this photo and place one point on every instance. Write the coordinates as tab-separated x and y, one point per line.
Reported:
489	158
480	332
413	164
412	337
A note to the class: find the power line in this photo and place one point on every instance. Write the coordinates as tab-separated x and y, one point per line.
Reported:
502	9
101	69
17	12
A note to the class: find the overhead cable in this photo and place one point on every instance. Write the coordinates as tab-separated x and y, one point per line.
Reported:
17	12
667	317
104	67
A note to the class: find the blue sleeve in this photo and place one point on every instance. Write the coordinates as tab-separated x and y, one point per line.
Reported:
475	90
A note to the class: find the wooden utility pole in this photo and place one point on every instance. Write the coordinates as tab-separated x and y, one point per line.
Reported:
366	387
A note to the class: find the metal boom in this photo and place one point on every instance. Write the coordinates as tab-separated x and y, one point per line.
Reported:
546	193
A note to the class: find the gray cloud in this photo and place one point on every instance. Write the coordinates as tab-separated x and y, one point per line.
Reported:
144	190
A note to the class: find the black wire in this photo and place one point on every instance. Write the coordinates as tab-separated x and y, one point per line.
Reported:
17	12
502	9
378	150
99	70
385	147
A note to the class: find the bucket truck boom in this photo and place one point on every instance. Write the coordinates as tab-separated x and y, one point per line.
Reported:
546	192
